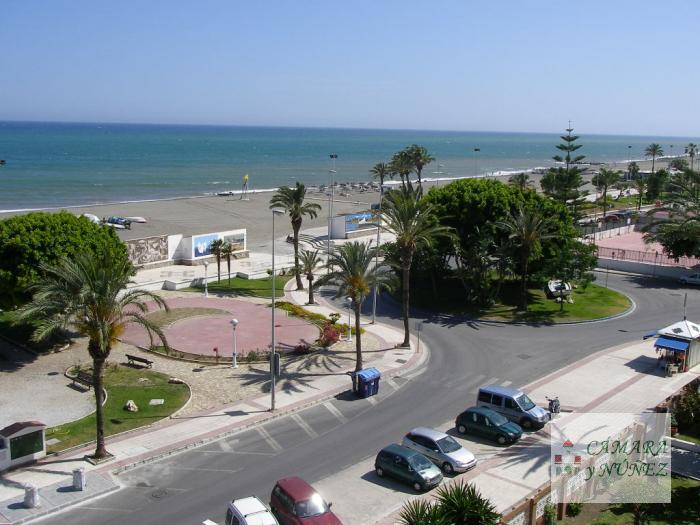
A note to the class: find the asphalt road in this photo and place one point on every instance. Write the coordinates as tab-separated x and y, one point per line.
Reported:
320	441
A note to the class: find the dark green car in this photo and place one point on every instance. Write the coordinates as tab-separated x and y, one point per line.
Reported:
488	424
408	466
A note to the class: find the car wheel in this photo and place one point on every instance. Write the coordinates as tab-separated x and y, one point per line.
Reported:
418	487
447	468
526	423
379	471
501	440
462	429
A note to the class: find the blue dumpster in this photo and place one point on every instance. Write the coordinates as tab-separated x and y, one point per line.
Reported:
368	382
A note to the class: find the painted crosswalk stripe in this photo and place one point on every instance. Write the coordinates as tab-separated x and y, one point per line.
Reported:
333	410
464	383
225	445
491	381
305	426
269	439
372	400
391	383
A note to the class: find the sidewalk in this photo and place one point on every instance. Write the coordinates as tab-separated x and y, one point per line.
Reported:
53	475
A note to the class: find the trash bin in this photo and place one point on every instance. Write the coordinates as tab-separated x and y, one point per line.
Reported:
79	480
31	497
367	382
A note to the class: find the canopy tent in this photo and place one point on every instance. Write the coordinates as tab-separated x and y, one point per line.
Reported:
672	344
679	344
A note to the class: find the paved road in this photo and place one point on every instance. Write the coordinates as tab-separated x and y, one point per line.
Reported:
327	438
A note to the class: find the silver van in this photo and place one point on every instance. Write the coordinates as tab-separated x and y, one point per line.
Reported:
513	404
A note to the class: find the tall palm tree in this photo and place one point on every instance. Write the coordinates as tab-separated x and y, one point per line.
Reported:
216	248
310	261
402	165
380	171
414	223
420	157
691	150
526	228
354	273
227	252
520	180
633	169
640	184
653	150
87	295
292	201
602	181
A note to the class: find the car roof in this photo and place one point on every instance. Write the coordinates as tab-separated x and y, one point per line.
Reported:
297	488
501	390
428	432
400	450
483	411
249	505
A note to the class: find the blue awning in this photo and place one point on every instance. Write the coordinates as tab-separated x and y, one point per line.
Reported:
650	334
672	344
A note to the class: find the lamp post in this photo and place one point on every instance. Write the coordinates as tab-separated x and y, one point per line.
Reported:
349	299
629	161
206	281
376	256
332	172
476	161
234	362
273	355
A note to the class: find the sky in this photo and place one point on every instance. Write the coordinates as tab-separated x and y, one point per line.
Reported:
616	67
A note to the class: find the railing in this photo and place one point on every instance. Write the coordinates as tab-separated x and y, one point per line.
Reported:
657	258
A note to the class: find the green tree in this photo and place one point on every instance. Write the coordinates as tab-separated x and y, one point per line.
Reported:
292	201
354	273
420	157
421	512
227	251
402	165
602	181
29	241
380	171
632	169
639	183
656	184
691	150
310	261
217	249
526	229
678	164
521	181
653	150
412	220
87	295
564	183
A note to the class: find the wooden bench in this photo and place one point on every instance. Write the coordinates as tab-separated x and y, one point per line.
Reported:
133	359
84	378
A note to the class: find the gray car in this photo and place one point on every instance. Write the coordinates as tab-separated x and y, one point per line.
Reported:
441	449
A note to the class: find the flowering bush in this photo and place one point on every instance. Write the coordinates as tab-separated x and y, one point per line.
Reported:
329	335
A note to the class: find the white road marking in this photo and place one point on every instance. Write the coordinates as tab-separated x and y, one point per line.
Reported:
270	440
305	426
204	469
225	445
372	400
391	383
491	381
333	410
463	383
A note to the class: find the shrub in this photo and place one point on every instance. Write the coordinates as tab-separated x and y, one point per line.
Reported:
334	317
329	335
252	356
302	348
573	509
550	514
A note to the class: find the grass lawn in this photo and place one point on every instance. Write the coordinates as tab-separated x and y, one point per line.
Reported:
123	383
162	318
248	287
593	303
683	509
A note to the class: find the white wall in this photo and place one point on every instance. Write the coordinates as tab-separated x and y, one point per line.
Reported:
173	246
669	272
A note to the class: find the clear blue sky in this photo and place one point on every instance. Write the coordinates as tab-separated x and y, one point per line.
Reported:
610	66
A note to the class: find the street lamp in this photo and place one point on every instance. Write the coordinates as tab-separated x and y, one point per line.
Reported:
376	255
476	161
234	363
206	285
349	299
273	355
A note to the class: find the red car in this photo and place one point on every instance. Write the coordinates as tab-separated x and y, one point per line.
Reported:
294	502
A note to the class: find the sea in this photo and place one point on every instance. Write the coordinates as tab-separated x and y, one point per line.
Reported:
54	165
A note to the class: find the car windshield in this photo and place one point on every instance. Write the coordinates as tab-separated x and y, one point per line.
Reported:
525	402
497	419
448	444
311	507
420	463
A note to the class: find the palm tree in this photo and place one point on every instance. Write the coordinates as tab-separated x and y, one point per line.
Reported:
691	150
216	248
639	184
292	201
526	228
421	512
413	222
653	150
420	157
632	169
86	295
602	181
463	504
402	165
310	262
227	251
381	170
354	273
520	180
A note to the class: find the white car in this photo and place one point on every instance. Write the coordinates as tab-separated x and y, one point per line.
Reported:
693	278
249	511
442	449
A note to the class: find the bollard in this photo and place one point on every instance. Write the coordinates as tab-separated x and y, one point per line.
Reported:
79	479
31	496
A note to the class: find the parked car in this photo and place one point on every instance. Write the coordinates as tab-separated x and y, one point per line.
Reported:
486	423
693	278
612	218
249	511
513	404
119	221
294	502
408	466
557	288
441	449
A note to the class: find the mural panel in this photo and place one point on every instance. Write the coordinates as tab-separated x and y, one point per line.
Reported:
149	250
236	240
201	245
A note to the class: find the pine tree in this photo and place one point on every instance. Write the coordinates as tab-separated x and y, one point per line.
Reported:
564	183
